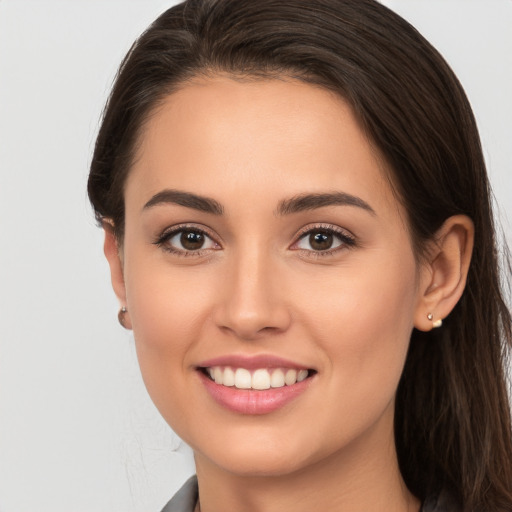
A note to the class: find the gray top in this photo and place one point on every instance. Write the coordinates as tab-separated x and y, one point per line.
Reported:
186	498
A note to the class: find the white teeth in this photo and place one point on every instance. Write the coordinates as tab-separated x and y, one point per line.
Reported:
277	379
302	375
259	379
229	377
290	377
218	375
243	379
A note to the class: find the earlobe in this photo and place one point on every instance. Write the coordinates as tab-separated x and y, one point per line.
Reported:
445	272
114	258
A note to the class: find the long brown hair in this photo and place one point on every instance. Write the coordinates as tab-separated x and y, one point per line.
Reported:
452	418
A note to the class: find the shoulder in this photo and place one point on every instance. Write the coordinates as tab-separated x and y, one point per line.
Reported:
185	499
441	502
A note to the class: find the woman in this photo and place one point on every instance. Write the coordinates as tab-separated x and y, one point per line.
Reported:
298	226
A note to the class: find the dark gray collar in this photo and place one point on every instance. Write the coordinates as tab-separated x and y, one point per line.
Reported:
185	499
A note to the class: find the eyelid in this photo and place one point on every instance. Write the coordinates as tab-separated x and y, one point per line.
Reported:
165	235
184	226
324	226
347	238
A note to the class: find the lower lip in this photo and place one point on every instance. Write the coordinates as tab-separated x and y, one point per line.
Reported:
251	401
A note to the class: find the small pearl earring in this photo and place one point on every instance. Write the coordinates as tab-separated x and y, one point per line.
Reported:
435	324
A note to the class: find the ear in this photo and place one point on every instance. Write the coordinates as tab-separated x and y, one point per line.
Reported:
443	275
113	253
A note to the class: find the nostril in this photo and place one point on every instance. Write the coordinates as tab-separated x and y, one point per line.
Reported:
251	308
250	332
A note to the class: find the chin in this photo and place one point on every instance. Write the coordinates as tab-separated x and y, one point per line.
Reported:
260	453
255	463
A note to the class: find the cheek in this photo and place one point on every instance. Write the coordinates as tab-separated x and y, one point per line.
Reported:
167	305
363	321
168	310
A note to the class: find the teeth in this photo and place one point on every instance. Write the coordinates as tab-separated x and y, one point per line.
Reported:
243	379
277	379
259	379
290	377
218	375
302	375
229	377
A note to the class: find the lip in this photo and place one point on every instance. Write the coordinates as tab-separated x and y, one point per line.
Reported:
252	362
251	401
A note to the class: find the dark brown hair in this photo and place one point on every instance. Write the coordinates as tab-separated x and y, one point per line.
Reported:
452	418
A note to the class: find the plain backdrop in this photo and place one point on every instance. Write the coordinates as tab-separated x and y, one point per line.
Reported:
77	430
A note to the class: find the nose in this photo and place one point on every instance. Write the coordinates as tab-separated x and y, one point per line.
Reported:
252	302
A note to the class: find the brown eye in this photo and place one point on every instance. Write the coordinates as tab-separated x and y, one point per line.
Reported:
324	240
192	240
187	241
321	241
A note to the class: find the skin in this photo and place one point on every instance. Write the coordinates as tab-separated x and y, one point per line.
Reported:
258	287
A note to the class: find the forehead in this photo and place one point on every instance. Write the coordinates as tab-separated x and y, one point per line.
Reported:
281	136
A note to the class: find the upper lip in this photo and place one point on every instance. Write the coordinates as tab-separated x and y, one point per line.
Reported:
252	362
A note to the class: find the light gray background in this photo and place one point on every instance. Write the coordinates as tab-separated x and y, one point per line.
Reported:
77	430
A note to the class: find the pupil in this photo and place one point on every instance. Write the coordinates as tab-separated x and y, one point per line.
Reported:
192	240
321	241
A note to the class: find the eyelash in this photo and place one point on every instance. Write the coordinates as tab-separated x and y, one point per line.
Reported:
163	239
346	240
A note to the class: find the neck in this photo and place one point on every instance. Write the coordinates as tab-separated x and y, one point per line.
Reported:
361	477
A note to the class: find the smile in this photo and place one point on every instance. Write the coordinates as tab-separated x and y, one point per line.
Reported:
257	379
254	385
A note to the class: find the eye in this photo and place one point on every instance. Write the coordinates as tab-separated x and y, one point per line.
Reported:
323	240
186	241
319	241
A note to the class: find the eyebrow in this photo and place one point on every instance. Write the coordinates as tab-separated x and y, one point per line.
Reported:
305	202
187	199
299	203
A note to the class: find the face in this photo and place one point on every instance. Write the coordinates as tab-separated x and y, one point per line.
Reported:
268	274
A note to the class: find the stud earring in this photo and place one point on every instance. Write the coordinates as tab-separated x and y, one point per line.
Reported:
120	316
435	324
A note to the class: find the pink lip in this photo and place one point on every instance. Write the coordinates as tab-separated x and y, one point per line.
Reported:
251	401
251	362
